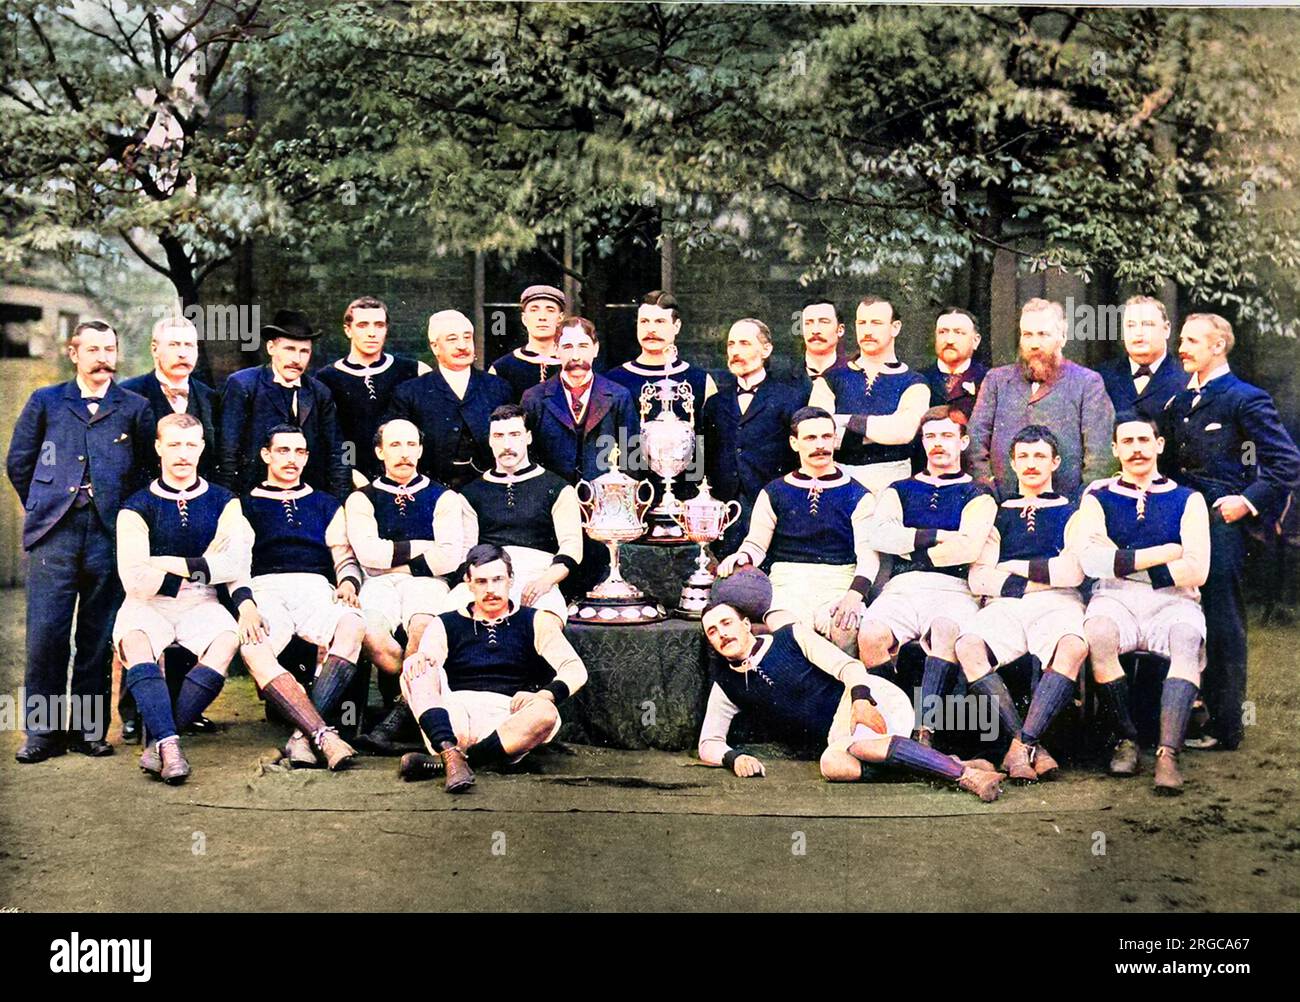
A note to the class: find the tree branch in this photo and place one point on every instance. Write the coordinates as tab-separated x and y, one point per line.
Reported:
139	252
68	90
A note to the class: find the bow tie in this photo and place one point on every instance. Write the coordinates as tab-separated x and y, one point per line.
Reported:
1142	370
174	393
93	400
742	391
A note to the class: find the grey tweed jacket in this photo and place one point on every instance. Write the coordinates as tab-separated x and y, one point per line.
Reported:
1075	407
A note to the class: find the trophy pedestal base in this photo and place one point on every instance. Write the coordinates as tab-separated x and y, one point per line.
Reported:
662	530
695	595
631	610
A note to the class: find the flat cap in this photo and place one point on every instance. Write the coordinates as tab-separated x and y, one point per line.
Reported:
542	292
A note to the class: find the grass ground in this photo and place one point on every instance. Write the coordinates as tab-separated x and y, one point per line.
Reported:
589	828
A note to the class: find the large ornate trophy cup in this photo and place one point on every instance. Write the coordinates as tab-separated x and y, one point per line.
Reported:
668	444
613	512
703	520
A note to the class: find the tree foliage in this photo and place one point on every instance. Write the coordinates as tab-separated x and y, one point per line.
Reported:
1137	147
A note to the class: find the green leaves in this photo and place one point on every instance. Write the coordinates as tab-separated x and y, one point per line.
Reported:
1147	145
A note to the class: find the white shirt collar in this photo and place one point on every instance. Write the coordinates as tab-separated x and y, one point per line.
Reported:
355	368
808	362
86	391
164	381
1196	383
761	647
458	381
943	367
279	381
586	394
752	381
1133	366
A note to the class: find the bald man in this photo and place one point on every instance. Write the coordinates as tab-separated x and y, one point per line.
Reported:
453	404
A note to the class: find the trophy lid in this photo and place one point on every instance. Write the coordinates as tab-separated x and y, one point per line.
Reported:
613	476
704	497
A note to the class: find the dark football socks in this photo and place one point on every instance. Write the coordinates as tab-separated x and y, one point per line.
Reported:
436	725
201	686
389	686
936	678
332	682
992	687
1176	699
906	752
1114	695
1053	693
487	752
153	700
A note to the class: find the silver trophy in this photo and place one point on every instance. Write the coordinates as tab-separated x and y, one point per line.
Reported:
703	519
613	511
668	443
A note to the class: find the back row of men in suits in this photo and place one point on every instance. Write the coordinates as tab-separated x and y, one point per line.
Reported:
575	414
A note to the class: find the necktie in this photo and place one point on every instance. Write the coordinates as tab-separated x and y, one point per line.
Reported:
1141	378
575	402
953	381
178	398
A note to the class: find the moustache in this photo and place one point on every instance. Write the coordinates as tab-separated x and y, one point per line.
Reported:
572	366
821	453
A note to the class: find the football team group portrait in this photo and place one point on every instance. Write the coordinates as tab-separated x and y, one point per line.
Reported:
648	457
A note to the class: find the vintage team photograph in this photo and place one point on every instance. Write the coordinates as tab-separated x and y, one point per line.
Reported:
649	457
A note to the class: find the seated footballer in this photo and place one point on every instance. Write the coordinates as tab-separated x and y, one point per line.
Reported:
487	678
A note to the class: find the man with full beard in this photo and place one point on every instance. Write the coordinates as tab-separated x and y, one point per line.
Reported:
1042	387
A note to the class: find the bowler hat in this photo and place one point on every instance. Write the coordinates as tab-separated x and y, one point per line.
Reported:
291	324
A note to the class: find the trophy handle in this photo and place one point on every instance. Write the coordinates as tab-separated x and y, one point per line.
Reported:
643	503
687	396
646	400
585	504
729	517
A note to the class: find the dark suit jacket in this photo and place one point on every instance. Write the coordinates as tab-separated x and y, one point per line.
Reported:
583	453
745	452
202	404
1167	381
432	406
962	398
1232	442
252	405
55	440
